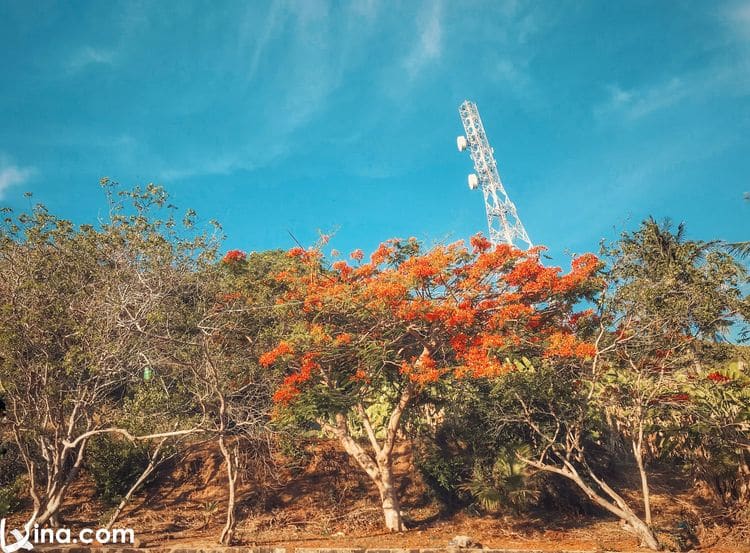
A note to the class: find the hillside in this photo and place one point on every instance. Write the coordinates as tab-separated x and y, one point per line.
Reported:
330	502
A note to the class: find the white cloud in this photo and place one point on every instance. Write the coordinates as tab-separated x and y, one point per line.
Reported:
270	25
11	174
89	55
720	80
725	75
737	17
429	45
640	102
305	43
206	168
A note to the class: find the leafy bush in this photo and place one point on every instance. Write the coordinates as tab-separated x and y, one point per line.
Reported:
11	479
115	465
443	476
10	497
504	484
11	466
293	437
707	433
465	461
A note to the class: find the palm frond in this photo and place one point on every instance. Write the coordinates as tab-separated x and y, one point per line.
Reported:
740	249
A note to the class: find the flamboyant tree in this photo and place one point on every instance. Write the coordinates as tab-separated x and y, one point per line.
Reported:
380	333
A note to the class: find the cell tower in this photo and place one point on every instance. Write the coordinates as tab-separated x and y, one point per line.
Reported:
502	219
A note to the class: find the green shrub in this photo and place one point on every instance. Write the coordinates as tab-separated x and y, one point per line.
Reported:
11	479
293	437
443	476
115	465
11	466
10	497
503	485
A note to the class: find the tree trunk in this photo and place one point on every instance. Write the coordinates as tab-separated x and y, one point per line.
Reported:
227	533
380	471
389	498
643	531
615	504
59	488
638	453
743	493
51	507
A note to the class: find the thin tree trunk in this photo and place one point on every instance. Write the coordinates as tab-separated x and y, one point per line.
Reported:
743	492
644	532
638	453
227	534
617	506
60	487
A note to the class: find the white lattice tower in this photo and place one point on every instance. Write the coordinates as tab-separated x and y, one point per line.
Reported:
502	219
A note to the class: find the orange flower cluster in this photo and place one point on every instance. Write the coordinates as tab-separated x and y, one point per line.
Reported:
269	358
234	256
583	267
479	243
290	387
419	268
308	256
387	288
477	357
343	339
532	278
562	344
478	308
514	312
344	269
422	371
383	252
476	274
434	263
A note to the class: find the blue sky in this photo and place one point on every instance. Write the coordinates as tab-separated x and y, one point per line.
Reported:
297	116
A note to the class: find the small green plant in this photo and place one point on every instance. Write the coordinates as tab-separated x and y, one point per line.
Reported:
209	509
504	484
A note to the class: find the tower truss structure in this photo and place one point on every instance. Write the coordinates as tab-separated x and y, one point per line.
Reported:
502	218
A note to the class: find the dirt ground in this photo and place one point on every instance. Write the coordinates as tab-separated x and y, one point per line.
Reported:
330	503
